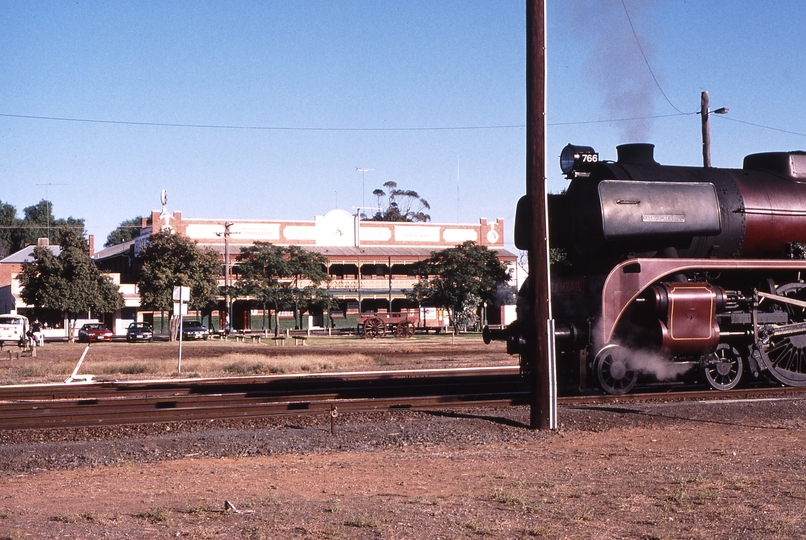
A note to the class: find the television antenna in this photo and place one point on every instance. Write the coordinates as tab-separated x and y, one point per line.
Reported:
47	200
363	190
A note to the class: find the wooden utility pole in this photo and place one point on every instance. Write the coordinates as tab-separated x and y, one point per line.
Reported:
541	349
227	281
706	129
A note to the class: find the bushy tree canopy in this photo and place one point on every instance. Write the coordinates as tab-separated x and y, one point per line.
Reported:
127	230
274	275
459	278
171	260
37	222
8	220
69	282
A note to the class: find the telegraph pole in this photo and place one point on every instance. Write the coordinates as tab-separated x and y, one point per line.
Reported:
541	349
705	115
227	298
706	129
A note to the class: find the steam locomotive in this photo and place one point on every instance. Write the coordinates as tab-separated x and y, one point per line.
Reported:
668	272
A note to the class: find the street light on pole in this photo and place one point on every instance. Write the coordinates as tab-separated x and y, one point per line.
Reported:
706	127
362	171
227	294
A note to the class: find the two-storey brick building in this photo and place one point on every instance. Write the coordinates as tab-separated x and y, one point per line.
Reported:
371	263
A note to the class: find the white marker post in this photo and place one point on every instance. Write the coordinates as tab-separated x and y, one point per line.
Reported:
181	299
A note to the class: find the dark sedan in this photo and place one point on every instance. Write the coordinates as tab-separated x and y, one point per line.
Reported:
139	332
92	332
194	330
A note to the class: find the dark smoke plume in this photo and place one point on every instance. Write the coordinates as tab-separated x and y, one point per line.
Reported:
615	64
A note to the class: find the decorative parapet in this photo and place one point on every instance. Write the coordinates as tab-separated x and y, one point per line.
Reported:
336	228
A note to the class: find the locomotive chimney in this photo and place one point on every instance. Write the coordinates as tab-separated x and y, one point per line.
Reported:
637	154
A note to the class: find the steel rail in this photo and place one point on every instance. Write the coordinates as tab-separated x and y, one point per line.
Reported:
220	407
166	401
681	395
96	404
287	382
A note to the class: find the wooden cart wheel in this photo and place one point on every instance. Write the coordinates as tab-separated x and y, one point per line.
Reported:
374	327
404	330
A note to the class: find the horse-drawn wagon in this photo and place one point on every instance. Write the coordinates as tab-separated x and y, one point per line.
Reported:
372	325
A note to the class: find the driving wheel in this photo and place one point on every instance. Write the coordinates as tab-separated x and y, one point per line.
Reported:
783	349
613	370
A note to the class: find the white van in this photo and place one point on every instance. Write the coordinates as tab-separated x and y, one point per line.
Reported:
13	329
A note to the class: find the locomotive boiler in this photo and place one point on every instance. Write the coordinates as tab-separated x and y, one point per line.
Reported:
665	272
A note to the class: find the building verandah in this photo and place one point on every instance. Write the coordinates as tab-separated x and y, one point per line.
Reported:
371	264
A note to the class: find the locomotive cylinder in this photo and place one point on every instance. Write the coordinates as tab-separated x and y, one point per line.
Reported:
687	316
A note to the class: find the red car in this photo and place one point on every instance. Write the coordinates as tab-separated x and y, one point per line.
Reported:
91	332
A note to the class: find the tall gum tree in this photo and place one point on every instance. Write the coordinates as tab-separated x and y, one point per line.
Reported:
397	204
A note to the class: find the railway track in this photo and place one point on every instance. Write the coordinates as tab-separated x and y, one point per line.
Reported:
108	403
132	402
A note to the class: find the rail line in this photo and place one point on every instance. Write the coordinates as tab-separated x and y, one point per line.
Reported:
133	402
108	403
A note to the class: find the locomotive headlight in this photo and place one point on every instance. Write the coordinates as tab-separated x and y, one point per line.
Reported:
578	160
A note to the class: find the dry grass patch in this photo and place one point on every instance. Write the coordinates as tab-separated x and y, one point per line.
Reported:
253	364
122	361
233	364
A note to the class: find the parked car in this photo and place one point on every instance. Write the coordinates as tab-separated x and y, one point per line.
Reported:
13	329
138	331
92	332
194	330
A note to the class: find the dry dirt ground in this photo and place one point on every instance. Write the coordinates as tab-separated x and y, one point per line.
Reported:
665	470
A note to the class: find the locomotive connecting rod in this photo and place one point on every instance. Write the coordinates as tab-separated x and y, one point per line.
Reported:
782	299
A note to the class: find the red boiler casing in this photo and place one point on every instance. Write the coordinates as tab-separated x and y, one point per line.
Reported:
774	203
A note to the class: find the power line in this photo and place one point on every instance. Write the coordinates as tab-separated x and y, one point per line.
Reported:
762	126
582	122
255	128
400	129
42	226
646	61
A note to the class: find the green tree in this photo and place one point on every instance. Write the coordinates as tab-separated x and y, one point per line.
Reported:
69	282
8	220
400	205
38	222
127	230
459	279
307	266
275	275
171	260
261	266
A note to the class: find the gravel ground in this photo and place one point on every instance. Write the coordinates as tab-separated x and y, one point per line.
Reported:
693	470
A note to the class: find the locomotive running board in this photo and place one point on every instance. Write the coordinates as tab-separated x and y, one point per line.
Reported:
630	278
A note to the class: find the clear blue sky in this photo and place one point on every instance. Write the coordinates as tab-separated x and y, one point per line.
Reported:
352	84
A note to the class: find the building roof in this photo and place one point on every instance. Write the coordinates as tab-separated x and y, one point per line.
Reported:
25	255
113	251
